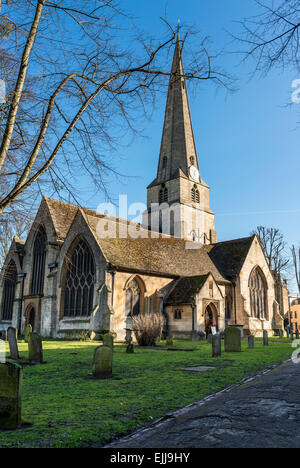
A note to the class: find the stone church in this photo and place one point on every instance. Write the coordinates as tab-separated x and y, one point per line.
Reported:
81	273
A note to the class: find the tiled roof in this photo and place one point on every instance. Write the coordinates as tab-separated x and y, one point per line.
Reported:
185	290
230	256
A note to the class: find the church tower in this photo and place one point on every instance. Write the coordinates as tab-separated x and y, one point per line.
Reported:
178	199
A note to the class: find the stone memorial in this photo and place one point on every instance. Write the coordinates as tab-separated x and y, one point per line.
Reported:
209	339
266	338
251	342
10	395
35	348
102	367
216	345
108	340
28	330
232	339
128	340
169	341
13	343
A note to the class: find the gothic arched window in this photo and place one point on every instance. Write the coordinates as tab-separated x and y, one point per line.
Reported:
195	194
134	296
258	295
79	282
39	260
163	194
9	288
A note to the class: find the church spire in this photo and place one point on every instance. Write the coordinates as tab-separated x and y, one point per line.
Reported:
178	150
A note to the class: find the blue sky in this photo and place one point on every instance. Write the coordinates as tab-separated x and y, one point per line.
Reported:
248	142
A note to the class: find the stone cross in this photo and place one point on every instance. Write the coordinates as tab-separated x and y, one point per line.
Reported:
266	338
251	342
102	366
232	339
10	395
13	343
28	330
35	348
216	345
108	340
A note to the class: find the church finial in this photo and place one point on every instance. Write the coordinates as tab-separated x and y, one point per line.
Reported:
178	29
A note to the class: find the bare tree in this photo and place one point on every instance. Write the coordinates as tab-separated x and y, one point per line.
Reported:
272	36
88	89
274	247
296	262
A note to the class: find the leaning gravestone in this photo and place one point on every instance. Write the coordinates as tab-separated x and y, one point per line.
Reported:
216	345
266	338
35	348
13	343
108	340
232	339
10	395
251	342
102	367
28	330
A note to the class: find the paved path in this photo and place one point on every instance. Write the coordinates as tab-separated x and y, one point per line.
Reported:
264	412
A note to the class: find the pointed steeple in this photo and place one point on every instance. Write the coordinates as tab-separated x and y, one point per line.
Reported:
178	150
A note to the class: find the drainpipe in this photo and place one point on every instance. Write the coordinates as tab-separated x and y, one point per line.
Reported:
234	296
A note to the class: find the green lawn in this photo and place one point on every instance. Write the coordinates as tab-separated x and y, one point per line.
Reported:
68	409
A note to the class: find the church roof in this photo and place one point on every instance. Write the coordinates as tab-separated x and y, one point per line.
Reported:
62	215
185	290
177	144
165	255
230	256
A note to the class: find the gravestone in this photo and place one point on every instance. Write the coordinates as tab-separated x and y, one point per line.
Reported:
195	336
266	338
3	335
297	334
292	336
128	339
216	345
251	342
232	338
209	339
13	343
280	334
35	348
169	341
102	367
108	340
28	330
10	395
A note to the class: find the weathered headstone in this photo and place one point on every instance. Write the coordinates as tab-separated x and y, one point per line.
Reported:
35	348
280	334
102	367
216	345
251	342
108	340
169	341
209	339
128	340
13	343
10	395
28	330
266	338
195	336
232	338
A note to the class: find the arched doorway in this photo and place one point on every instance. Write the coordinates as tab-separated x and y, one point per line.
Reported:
31	317
211	319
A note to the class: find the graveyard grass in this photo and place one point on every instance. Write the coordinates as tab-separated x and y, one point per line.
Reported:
66	408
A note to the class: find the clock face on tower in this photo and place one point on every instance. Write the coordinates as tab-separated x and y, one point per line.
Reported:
194	173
